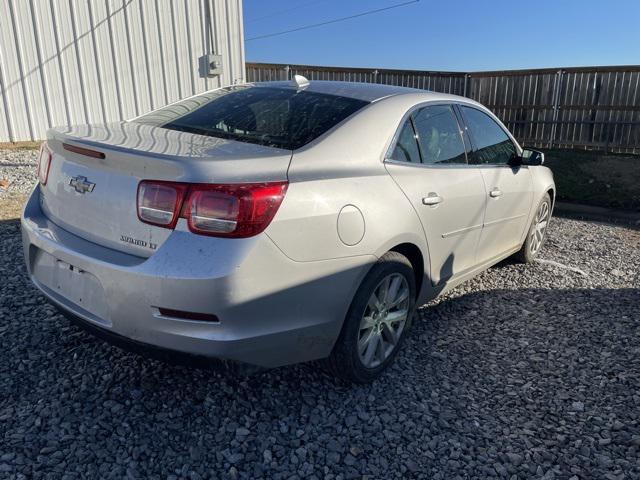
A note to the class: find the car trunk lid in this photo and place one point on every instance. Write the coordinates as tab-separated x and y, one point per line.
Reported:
95	198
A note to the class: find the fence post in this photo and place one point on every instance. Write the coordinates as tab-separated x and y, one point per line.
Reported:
466	84
557	90
287	68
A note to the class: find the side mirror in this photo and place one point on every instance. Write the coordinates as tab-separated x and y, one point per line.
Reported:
532	157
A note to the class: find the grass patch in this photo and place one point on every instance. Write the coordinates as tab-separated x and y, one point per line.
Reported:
19	145
11	205
593	178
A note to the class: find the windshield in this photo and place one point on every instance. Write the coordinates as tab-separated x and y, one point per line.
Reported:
271	116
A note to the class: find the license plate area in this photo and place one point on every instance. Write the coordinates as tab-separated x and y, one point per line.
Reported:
74	284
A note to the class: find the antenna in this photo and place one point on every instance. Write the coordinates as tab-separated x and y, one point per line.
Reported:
300	82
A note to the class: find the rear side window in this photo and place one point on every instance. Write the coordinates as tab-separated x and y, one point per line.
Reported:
271	116
492	145
406	149
439	135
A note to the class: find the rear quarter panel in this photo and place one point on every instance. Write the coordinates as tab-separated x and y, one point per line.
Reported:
345	167
306	228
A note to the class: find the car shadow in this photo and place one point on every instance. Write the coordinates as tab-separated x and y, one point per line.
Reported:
430	327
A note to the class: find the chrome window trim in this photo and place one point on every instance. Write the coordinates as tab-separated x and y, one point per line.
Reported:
426	165
493	165
459	102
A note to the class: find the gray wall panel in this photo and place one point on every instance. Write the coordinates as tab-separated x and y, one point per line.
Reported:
65	62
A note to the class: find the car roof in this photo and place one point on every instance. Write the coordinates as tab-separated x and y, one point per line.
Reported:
369	92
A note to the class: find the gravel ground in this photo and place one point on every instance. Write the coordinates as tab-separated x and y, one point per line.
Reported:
524	372
17	170
17	177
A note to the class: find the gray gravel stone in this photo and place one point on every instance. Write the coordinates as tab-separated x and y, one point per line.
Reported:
488	385
18	167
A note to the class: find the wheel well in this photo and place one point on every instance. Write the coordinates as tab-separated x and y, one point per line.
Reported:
552	194
414	255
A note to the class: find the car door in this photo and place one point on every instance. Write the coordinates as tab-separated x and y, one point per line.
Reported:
428	161
508	188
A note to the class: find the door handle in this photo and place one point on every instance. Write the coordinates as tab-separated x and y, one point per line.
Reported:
495	193
432	199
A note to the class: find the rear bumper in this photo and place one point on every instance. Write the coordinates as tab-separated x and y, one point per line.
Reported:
272	311
153	351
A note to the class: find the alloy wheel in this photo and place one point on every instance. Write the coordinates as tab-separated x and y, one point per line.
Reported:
540	223
383	321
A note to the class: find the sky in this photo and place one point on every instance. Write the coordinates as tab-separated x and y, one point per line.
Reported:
449	35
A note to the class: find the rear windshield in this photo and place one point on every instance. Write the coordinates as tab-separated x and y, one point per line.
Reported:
271	116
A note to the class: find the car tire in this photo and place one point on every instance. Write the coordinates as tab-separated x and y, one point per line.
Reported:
536	236
373	325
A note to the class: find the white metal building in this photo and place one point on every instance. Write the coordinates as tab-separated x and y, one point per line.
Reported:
93	61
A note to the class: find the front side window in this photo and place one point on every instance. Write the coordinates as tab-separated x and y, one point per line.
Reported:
406	149
439	136
492	145
272	116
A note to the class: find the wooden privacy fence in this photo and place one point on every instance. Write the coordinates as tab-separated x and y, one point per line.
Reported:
594	108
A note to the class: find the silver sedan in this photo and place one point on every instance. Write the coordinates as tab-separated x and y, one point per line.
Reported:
275	223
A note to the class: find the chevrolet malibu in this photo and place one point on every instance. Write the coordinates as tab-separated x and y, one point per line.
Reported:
272	223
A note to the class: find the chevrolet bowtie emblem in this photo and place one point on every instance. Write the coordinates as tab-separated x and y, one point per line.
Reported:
81	184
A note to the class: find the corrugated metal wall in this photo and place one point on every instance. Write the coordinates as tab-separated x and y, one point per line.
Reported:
86	61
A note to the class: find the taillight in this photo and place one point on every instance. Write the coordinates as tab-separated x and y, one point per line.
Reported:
44	163
230	210
212	211
159	202
241	210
